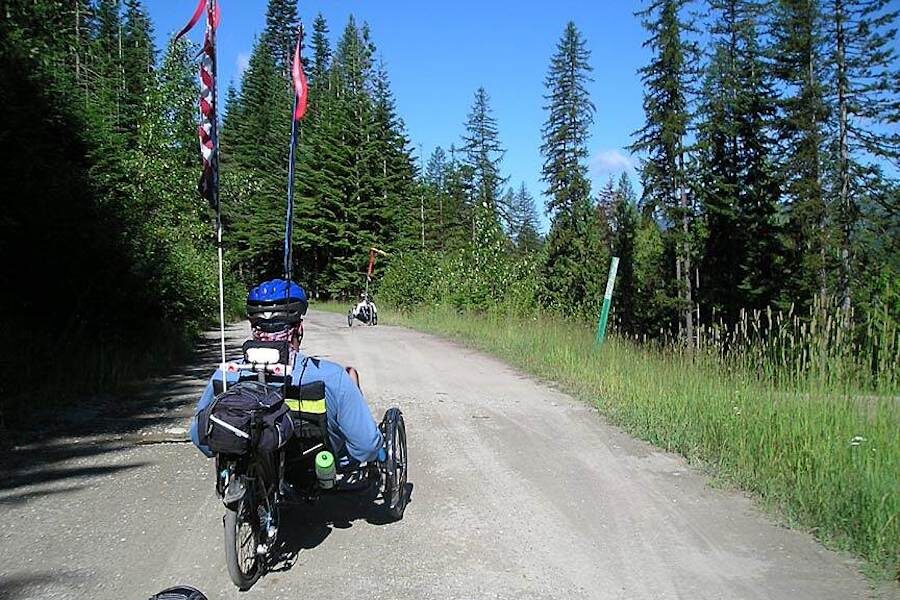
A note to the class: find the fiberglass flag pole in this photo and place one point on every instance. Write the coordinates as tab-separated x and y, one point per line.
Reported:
300	102
208	185
371	269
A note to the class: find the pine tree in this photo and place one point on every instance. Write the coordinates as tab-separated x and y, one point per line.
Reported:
624	223
457	209
138	61
738	192
256	138
483	154
575	251
433	183
108	85
864	88
392	169
350	114
798	66
280	34
321	52
527	236
667	83
570	115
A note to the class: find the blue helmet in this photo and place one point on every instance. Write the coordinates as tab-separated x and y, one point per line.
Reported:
276	305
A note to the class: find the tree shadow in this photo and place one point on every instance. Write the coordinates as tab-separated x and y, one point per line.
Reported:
11	500
44	445
13	587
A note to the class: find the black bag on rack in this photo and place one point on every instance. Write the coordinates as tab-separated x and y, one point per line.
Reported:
224	425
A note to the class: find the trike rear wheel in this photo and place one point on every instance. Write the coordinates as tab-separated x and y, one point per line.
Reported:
395	493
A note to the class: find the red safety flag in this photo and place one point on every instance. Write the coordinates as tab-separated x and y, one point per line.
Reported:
301	89
209	180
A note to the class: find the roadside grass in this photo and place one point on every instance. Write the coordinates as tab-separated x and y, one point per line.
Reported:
822	453
332	306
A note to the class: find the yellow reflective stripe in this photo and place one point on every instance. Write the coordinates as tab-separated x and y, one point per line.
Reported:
316	407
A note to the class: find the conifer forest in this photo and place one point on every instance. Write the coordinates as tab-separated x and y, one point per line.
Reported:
761	235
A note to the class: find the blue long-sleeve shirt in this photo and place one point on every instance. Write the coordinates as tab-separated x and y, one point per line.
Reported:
351	429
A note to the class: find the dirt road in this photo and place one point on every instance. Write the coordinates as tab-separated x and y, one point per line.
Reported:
519	492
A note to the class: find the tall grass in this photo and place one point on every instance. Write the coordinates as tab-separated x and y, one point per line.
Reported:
809	427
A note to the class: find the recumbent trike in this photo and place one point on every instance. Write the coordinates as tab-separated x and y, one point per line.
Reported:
265	471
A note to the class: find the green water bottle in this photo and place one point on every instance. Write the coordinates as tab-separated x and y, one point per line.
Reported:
325	469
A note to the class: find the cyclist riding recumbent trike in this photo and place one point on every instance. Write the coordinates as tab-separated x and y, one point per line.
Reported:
275	431
365	311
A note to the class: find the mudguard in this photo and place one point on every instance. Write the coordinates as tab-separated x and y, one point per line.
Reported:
235	490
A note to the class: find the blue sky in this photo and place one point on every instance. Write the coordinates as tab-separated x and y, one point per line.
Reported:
439	53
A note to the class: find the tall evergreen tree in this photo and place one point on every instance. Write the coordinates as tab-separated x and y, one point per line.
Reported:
483	155
457	208
624	222
864	89
391	167
255	139
280	33
108	85
570	114
797	54
433	186
667	83
739	191
138	60
526	235
574	248
321	52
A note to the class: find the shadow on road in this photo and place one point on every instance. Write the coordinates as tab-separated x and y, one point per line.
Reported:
24	586
45	447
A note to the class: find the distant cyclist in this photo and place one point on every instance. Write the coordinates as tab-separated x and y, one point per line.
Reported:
275	309
365	311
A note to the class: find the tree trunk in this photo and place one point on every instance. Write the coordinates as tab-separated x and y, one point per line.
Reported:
684	277
844	159
77	42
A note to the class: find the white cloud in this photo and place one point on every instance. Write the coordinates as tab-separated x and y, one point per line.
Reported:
611	162
242	62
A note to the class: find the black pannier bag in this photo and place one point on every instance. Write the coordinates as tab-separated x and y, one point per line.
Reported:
224	425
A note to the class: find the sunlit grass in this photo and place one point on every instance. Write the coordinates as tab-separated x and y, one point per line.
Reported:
810	444
332	306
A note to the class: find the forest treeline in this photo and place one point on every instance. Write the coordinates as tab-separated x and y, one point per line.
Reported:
768	173
109	261
769	165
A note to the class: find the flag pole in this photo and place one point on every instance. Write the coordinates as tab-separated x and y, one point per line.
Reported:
289	218
300	100
208	132
214	131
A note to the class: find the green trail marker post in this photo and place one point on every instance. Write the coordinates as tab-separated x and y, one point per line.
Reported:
607	300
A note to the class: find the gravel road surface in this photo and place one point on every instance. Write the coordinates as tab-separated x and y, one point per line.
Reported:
519	492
